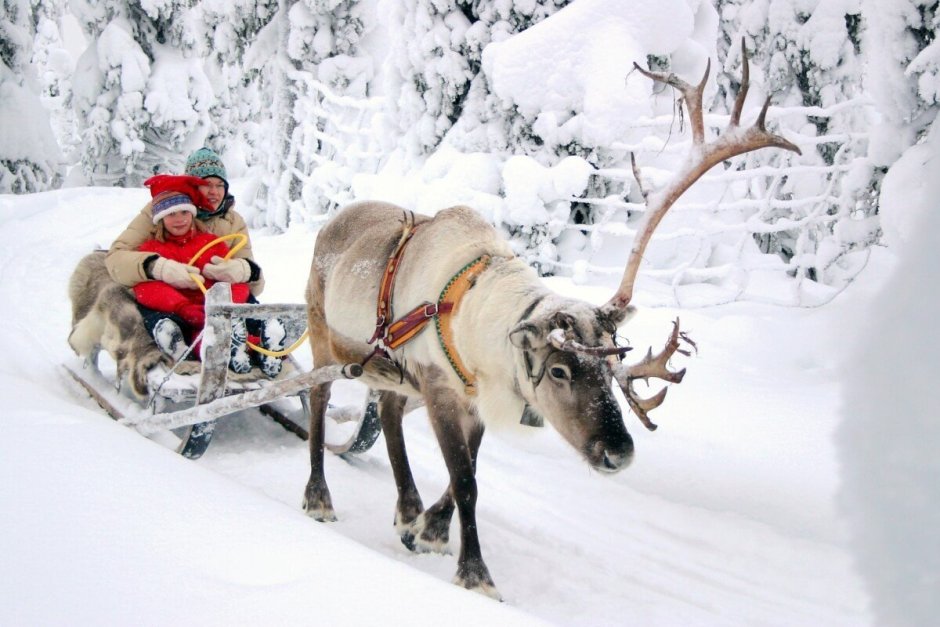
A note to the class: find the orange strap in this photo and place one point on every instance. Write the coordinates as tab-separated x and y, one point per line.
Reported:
451	295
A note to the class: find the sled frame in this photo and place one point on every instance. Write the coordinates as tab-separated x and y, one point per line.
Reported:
216	397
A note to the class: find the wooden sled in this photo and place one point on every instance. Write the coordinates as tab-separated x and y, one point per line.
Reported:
190	404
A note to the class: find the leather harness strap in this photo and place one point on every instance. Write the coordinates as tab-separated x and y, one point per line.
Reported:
389	336
384	312
413	322
452	293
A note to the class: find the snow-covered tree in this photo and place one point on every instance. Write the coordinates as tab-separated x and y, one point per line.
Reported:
436	59
534	104
902	57
535	98
310	55
55	67
225	35
432	72
30	158
143	94
438	91
807	58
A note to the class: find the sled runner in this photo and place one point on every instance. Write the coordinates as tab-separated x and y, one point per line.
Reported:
190	403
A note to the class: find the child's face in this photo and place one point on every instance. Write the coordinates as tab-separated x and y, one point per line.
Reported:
178	222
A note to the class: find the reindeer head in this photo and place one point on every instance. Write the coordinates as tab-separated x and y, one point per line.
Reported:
569	352
704	155
571	388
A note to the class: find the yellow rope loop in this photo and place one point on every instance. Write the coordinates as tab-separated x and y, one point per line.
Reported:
281	353
242	242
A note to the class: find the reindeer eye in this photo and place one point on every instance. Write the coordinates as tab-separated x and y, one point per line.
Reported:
559	373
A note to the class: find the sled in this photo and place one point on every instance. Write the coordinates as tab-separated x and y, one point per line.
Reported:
190	404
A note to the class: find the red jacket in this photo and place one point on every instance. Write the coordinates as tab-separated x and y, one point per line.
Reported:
188	304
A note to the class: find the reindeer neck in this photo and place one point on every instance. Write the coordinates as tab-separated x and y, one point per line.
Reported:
486	316
491	310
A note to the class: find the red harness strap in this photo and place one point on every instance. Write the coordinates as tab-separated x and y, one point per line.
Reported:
392	335
411	324
388	283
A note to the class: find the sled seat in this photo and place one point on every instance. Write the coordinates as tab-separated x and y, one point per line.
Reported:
191	399
214	381
221	392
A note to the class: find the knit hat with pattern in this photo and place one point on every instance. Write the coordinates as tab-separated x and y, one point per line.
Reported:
175	192
165	203
205	162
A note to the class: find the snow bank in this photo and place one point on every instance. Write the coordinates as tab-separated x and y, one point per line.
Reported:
890	428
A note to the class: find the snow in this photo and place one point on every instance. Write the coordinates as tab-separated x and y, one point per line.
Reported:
908	190
535	70
727	516
888	435
29	138
792	480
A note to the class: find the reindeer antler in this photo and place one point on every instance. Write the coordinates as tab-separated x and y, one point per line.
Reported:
558	340
652	367
704	155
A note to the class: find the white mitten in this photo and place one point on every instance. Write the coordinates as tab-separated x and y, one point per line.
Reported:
227	271
175	273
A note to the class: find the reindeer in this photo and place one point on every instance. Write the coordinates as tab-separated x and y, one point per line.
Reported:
105	316
504	345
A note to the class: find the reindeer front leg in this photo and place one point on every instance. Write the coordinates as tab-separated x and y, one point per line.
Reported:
409	505
451	420
432	529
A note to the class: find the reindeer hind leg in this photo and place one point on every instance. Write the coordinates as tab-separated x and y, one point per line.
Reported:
317	501
318	504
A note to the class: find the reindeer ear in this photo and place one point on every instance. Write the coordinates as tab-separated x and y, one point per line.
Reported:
613	317
528	335
563	321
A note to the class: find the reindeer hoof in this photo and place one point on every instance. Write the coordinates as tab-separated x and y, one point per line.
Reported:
478	580
320	514
320	507
427	534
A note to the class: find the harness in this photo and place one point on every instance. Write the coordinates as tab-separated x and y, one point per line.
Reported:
389	336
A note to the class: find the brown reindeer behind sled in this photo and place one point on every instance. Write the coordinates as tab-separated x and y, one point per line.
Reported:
503	343
105	316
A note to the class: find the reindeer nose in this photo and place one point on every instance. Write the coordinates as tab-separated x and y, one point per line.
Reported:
615	462
612	459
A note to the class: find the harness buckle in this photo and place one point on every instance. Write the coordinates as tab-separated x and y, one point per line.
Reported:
380	330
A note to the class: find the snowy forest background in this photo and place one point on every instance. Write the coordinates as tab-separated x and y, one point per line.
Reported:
529	111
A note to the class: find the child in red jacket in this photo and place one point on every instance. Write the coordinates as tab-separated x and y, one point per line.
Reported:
179	237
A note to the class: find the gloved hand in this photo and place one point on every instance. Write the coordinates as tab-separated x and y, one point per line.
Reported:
174	273
227	271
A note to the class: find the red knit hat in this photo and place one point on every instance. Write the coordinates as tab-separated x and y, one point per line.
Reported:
181	184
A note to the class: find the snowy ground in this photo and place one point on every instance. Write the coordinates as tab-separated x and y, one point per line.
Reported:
726	517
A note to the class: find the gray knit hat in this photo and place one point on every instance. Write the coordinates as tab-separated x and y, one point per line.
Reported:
205	162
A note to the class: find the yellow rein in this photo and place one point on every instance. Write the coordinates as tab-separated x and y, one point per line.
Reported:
242	242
